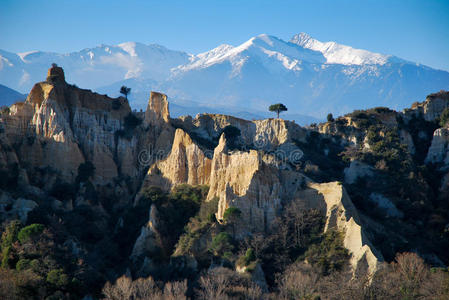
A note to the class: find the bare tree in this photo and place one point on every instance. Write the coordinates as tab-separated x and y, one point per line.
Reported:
213	285
175	290
299	281
146	288
121	289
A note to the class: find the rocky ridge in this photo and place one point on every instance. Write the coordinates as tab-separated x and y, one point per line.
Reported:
65	135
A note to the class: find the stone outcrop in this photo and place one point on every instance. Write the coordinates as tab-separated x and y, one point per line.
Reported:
439	149
438	154
253	183
16	208
243	180
342	215
157	112
357	170
59	127
186	163
149	240
265	134
431	108
66	126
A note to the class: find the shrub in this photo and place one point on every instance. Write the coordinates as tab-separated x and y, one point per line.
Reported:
57	278
329	255
248	258
9	236
231	132
5	257
231	213
4	110
444	118
187	192
221	244
30	231
131	122
231	216
152	194
23	264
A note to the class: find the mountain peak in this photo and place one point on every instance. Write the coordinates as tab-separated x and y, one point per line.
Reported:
340	54
301	39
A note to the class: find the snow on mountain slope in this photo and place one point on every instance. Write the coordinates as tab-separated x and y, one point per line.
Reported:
92	67
310	77
271	51
341	54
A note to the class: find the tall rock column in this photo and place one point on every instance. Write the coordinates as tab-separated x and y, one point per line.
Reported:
157	118
157	112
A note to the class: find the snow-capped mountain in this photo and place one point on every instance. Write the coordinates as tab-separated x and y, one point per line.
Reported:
310	77
92	67
342	54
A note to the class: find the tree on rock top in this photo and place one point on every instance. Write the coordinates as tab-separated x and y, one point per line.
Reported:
278	108
124	90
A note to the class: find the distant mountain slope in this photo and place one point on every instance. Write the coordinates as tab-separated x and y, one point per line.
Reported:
311	77
9	96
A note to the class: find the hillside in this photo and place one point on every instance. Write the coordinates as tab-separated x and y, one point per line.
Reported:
97	200
9	96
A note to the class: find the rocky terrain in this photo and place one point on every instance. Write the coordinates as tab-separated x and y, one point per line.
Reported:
99	191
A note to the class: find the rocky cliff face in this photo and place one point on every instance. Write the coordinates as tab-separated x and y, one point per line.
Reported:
63	134
258	182
60	127
431	108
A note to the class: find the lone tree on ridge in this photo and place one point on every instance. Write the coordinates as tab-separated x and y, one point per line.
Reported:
278	108
125	91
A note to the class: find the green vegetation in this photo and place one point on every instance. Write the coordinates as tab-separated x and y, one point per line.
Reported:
329	255
199	228
444	118
277	108
131	122
222	244
6	252
9	236
4	110
30	231
330	118
125	91
23	264
231	217
247	259
57	278
32	264
231	132
231	214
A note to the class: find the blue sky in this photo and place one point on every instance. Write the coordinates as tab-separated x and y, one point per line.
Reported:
417	30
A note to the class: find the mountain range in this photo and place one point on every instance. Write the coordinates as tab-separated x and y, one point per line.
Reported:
310	77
